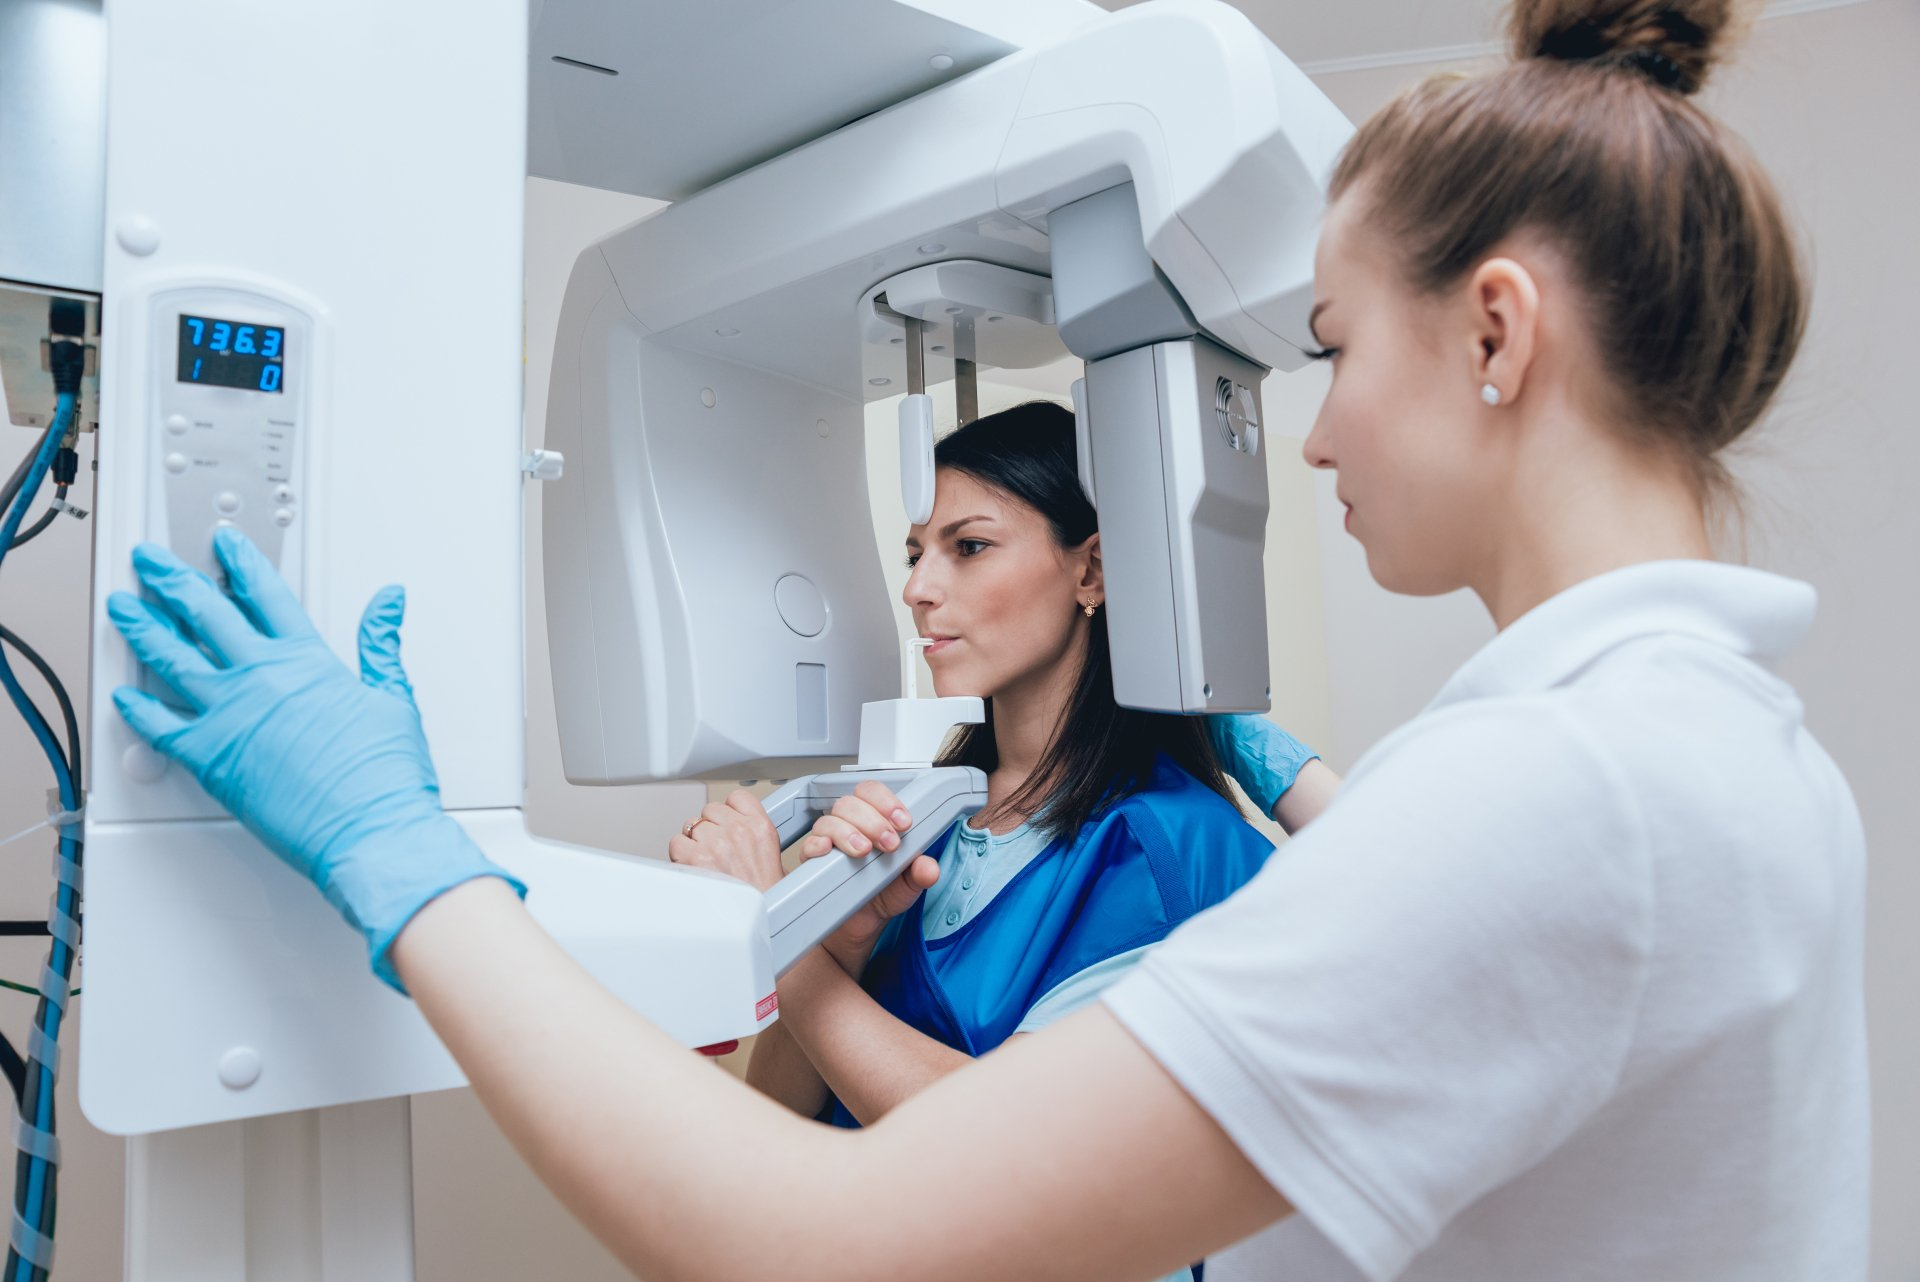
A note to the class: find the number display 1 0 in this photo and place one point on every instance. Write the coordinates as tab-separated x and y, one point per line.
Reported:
228	353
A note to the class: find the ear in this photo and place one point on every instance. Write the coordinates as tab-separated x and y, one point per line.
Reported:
1093	580
1504	317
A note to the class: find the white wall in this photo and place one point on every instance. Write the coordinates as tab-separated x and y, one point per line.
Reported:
1827	99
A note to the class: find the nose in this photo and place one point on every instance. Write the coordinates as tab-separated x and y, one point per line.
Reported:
922	590
1317	450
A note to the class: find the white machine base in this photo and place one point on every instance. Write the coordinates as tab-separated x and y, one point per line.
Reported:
324	1195
685	947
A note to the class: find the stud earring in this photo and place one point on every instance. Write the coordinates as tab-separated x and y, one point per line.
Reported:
1088	607
1489	393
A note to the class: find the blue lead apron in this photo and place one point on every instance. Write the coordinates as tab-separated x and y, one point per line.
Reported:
1129	876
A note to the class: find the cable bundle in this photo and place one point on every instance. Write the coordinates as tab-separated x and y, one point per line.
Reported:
30	1253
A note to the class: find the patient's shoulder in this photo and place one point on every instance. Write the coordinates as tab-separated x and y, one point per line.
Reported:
1173	804
1170	788
1198	844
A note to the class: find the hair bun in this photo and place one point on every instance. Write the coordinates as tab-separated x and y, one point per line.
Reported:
1671	42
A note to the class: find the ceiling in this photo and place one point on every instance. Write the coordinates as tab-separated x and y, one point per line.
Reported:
1342	35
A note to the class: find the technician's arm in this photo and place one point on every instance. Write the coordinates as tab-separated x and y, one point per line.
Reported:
1056	1139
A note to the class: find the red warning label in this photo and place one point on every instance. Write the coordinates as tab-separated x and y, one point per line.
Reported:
766	1006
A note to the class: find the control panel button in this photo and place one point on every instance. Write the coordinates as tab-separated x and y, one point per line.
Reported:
143	764
227	502
178	424
283	494
283	516
176	463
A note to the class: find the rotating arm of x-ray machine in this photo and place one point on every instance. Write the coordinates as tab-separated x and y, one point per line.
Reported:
1143	194
714	599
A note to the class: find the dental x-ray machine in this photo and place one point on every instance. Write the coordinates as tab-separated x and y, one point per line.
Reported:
305	231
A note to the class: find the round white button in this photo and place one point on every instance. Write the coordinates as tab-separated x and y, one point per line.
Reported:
178	424
283	516
176	463
283	494
800	604
137	235
227	502
240	1068
143	764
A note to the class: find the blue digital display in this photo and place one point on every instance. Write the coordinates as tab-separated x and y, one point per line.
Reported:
232	354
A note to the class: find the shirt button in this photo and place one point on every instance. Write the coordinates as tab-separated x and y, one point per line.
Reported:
966	883
981	853
953	919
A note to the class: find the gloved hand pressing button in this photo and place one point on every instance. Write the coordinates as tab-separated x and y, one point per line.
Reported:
332	774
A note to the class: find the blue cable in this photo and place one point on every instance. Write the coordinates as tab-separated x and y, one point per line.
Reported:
60	958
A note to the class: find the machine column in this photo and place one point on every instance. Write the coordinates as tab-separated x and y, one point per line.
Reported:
323	1195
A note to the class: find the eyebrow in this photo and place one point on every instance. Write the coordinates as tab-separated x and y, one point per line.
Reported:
946	531
1313	316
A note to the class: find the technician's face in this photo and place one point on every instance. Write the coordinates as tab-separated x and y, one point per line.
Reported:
1399	421
993	590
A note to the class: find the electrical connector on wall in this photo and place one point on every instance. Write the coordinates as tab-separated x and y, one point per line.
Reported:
67	344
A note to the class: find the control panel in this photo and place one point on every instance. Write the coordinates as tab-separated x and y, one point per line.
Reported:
231	371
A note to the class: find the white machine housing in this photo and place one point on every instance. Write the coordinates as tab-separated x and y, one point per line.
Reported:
1162	170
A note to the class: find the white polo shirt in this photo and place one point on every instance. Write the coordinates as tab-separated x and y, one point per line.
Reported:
1567	982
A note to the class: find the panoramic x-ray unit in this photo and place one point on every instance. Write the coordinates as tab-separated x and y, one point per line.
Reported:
304	232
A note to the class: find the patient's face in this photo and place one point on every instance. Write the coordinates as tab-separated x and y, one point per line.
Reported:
995	592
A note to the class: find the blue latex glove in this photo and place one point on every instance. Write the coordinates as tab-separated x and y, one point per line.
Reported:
332	774
1262	758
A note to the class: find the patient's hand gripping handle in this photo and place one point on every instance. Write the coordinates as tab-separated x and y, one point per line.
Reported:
812	901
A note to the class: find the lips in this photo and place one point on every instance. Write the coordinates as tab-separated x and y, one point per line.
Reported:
939	643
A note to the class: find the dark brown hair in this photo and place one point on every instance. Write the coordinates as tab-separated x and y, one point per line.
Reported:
1588	138
1100	751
